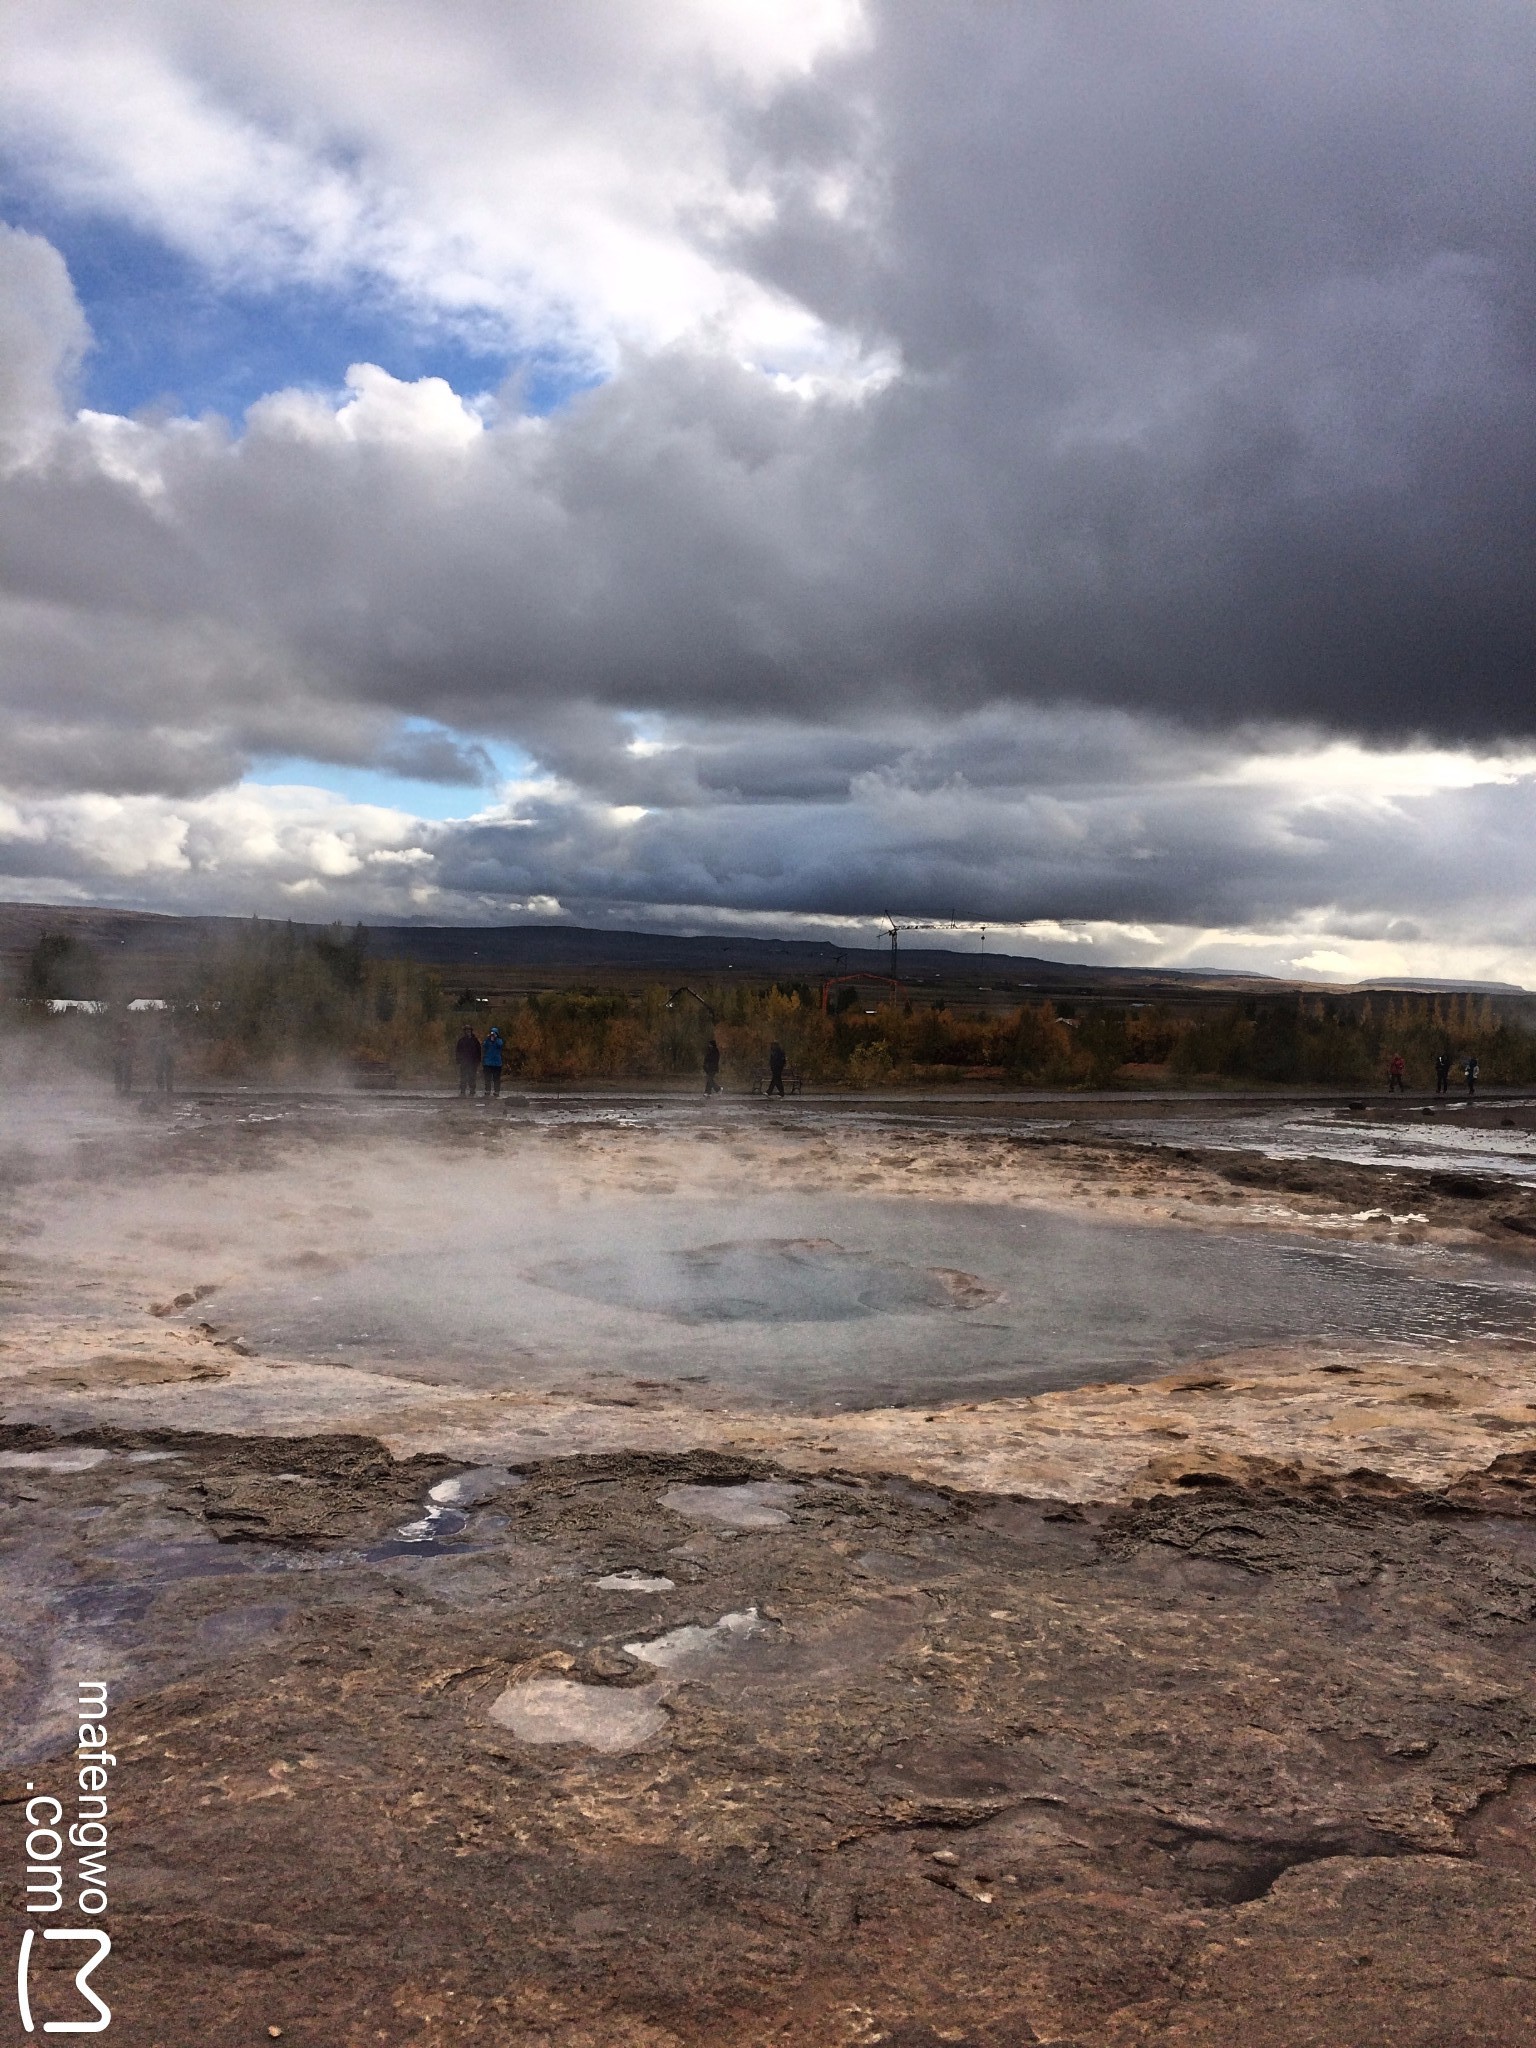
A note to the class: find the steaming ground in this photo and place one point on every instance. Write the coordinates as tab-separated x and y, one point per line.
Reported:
737	1256
675	1576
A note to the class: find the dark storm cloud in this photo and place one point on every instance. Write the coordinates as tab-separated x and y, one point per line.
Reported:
1176	398
1179	843
1218	323
1217	398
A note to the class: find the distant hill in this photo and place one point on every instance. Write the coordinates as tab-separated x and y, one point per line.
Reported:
142	945
1428	985
143	942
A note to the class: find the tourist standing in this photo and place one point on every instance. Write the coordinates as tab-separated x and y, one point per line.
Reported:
467	1055
122	1058
491	1054
1442	1073
1469	1072
165	1054
1397	1074
712	1068
776	1063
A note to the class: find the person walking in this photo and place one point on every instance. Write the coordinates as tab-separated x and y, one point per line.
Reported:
1442	1073
1469	1071
467	1054
122	1059
1397	1074
712	1067
491	1054
776	1063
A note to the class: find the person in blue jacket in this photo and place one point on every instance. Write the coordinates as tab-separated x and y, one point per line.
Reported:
491	1056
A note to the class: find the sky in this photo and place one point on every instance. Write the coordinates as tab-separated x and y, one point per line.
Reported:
1053	467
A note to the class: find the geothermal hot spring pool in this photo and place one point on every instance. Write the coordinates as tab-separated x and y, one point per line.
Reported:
852	1302
733	1258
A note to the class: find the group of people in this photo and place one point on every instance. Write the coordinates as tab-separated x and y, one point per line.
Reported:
162	1057
481	1060
476	1057
778	1060
1397	1074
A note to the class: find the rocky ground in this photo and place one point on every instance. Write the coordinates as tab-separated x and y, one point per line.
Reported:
1229	1764
1191	1712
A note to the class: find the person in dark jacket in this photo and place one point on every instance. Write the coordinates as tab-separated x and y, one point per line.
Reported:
491	1055
776	1063
1442	1073
1469	1073
711	1068
467	1054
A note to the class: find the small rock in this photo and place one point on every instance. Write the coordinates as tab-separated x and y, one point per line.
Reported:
606	1666
945	1856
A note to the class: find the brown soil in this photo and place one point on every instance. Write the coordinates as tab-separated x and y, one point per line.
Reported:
1235	1763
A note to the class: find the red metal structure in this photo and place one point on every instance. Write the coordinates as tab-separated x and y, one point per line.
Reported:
832	981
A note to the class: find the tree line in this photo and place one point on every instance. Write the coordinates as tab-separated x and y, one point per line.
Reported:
267	1000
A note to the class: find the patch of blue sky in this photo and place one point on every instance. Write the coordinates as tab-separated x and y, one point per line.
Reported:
169	337
440	802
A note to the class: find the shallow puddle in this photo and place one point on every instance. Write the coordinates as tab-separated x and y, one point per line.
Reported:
607	1718
760	1504
694	1649
1445	1137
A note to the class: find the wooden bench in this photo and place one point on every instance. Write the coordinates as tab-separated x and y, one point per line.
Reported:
794	1081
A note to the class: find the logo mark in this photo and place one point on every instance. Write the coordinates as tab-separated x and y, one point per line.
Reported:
23	1986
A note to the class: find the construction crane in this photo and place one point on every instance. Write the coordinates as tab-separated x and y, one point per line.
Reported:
895	926
672	1001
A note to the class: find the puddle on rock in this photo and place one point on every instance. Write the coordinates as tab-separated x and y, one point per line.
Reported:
52	1461
445	1514
692	1649
465	1488
610	1719
635	1582
759	1504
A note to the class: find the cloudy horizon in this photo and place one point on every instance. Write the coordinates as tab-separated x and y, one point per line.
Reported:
720	466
